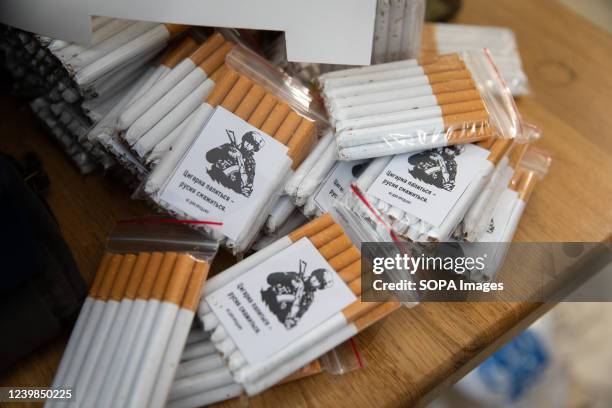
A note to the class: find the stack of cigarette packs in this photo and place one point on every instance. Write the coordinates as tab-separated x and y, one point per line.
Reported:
422	150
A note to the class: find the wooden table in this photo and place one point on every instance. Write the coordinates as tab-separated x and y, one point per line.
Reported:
415	353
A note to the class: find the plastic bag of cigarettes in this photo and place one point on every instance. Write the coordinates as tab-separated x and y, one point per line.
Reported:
80	84
511	203
507	210
308	281
414	105
440	38
132	328
202	377
254	128
476	220
106	132
151	124
424	196
397	36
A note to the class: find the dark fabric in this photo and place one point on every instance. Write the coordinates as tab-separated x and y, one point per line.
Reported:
41	289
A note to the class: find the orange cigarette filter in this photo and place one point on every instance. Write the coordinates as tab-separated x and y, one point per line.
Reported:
219	73
179	52
376	314
100	273
222	88
123	274
196	283
176	29
237	93
499	148
526	185
137	275
150	276
263	109
109	278
209	46
163	275
179	277
216	59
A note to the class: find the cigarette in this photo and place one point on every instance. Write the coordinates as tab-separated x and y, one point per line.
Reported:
452	82
161	332
280	213
381	32
112	43
166	143
207	397
196	335
145	143
145	327
190	131
177	94
326	161
480	211
104	32
417	74
199	365
118	325
180	331
94	320
201	382
106	322
298	176
414	109
263	110
198	350
170	80
81	322
145	42
436	127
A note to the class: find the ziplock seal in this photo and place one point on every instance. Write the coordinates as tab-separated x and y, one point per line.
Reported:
152	235
285	87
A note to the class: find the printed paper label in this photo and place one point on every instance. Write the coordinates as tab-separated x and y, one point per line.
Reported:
280	300
337	182
428	184
226	174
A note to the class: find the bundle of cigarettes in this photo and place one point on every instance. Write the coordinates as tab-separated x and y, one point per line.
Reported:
80	84
424	196
132	329
440	38
253	129
509	206
477	218
397	36
202	377
248	307
414	105
106	132
146	125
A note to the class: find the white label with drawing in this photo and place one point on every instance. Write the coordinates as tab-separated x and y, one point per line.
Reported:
279	300
428	184
228	171
336	184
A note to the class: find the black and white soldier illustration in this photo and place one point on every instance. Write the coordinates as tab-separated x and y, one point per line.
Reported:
233	165
436	167
290	294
